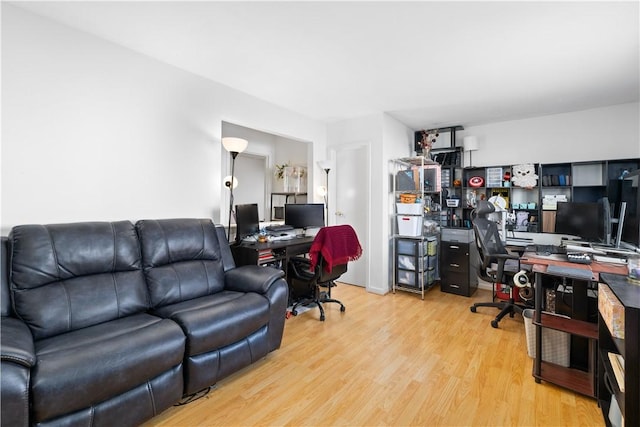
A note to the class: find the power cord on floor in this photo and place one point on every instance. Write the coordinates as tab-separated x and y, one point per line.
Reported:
195	396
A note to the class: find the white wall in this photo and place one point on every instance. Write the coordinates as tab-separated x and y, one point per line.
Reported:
597	134
94	131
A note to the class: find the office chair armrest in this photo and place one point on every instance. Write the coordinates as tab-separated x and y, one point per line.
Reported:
251	278
505	256
502	259
300	267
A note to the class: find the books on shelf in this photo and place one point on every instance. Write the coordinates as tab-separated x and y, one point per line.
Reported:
617	363
265	255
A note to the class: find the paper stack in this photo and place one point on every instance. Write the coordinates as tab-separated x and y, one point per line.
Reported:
550	201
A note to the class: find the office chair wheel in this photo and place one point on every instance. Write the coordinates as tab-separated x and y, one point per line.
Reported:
473	309
494	323
342	309
294	312
322	317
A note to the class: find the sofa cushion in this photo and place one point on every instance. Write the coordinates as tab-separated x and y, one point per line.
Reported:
82	368
70	276
181	259
215	321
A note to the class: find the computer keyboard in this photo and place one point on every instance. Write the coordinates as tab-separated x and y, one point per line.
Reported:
547	249
277	238
279	228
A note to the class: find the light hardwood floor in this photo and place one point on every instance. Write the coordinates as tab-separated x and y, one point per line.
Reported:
391	360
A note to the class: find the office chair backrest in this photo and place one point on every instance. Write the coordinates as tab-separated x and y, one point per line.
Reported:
337	245
324	276
487	237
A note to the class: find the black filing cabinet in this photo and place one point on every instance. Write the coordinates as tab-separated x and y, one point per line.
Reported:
459	258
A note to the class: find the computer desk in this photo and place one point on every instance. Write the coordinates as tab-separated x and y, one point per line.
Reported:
275	253
578	325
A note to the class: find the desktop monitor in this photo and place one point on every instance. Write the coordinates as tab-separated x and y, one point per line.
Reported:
304	215
247	222
606	219
585	220
626	192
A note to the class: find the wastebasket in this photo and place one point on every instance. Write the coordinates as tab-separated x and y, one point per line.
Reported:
556	345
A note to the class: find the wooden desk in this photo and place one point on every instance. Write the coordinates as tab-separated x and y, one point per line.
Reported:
584	333
275	253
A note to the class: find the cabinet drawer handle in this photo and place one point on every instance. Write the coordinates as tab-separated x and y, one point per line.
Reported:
454	247
455	286
454	265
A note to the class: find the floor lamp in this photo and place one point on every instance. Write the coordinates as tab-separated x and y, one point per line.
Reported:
326	165
234	146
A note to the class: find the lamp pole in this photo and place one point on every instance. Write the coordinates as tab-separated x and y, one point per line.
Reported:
326	166
229	183
327	196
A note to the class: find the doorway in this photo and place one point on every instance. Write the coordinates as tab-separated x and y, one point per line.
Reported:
351	206
251	172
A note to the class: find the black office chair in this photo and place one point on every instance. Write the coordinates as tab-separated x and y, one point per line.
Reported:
311	279
496	265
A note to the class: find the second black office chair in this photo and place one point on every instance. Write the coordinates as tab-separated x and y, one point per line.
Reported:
311	279
497	265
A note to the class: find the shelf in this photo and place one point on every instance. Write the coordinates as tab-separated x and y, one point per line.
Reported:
604	358
573	379
571	326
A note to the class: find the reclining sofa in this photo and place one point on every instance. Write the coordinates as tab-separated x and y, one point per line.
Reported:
110	323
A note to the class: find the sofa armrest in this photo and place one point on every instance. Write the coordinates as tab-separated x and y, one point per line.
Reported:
251	278
17	342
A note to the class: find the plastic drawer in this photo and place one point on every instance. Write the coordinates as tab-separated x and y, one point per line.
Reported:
412	278
411	247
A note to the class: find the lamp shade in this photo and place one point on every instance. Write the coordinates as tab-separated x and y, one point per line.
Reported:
470	143
325	164
234	145
227	182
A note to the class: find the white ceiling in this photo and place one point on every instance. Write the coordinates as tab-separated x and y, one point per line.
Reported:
429	64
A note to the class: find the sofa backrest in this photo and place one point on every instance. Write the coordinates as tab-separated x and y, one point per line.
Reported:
69	276
181	259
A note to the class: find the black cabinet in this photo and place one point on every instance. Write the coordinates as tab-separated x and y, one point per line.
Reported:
618	332
458	262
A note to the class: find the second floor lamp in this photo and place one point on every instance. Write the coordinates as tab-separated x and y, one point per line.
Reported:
234	146
326	166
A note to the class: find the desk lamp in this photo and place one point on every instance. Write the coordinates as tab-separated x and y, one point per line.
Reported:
326	165
234	146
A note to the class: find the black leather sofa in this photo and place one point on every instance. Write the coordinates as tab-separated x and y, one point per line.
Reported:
110	323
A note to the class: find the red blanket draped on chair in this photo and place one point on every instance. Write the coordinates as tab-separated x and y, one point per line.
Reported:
337	244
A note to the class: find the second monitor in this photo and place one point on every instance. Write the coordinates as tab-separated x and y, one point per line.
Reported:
308	215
